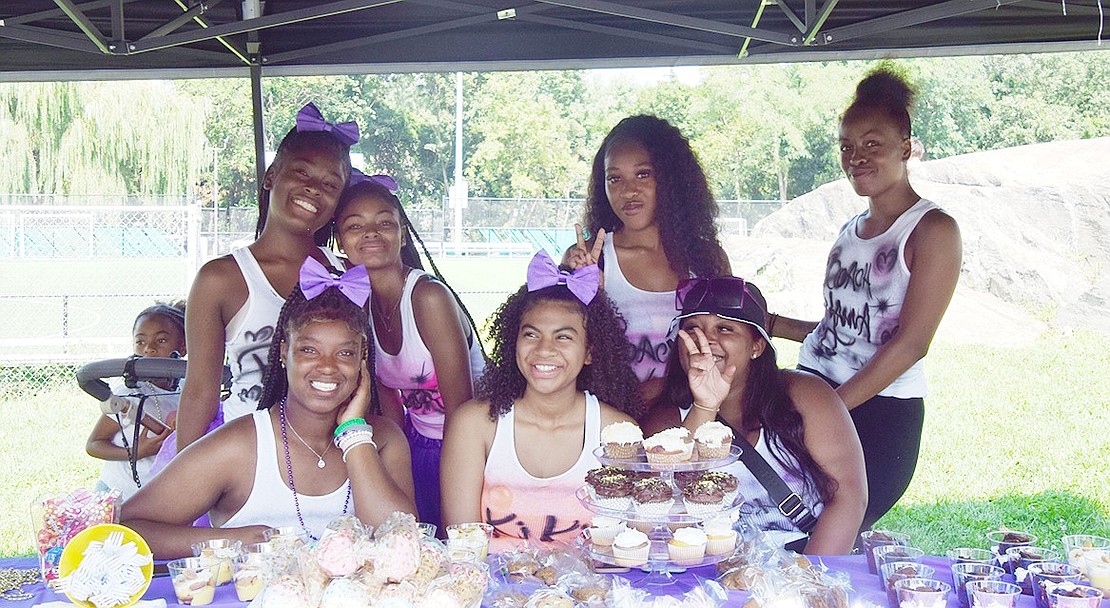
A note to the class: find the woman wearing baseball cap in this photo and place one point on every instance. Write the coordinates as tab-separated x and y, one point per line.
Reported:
724	369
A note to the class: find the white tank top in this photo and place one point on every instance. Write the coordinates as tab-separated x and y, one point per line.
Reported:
648	315
864	290
545	510
758	509
271	502
250	332
411	369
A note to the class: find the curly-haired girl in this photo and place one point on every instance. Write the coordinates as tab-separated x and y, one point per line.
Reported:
649	194
559	372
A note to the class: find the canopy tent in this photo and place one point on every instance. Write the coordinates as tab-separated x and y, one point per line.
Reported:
129	39
68	39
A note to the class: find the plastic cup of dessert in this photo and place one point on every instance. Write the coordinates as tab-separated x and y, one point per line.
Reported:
286	536
427	529
1097	563
1043	575
963	555
473	536
964	573
992	594
894	571
1067	595
461	555
248	572
874	538
896	553
1077	545
1020	558
921	593
223	550
1005	539
194	580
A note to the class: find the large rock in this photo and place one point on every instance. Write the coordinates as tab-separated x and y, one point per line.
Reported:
1035	222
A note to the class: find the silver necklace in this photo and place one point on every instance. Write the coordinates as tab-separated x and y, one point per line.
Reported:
319	457
387	319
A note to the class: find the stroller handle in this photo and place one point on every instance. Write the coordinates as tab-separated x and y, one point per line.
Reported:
90	376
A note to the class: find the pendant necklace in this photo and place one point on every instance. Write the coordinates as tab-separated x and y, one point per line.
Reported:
289	470
319	457
387	319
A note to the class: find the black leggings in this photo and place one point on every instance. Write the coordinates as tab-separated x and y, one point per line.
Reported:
889	430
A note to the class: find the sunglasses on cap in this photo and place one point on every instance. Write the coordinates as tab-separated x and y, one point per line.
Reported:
713	292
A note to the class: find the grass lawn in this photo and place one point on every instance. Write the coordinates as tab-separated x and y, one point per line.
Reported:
1013	436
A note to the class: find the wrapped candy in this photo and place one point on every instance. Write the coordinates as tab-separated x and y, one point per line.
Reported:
58	518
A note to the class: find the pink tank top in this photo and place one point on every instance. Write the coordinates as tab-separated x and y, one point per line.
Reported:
526	508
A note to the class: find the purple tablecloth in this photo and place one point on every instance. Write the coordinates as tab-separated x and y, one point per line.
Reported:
865	585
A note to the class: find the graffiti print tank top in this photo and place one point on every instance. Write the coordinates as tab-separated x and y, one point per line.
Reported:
865	286
647	313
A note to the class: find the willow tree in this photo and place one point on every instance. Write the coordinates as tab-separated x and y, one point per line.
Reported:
111	138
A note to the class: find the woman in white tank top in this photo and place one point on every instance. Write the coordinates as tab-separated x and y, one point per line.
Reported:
310	454
891	274
650	217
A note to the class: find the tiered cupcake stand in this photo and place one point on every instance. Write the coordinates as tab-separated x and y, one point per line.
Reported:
659	566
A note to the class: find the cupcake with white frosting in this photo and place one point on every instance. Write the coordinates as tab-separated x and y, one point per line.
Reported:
621	440
713	439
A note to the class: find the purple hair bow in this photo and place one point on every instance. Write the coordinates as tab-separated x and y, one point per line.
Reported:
583	283
357	177
315	279
309	118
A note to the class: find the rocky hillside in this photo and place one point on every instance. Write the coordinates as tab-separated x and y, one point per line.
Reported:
1035	222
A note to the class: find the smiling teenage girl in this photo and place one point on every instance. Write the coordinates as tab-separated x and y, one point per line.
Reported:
286	464
650	213
235	299
427	351
890	276
558	373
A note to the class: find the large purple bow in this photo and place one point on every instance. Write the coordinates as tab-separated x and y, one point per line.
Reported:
310	119
314	279
357	177
583	283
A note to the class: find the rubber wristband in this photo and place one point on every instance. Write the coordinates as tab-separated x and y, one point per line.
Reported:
354	445
339	429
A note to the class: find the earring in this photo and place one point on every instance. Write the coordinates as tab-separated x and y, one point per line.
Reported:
755	356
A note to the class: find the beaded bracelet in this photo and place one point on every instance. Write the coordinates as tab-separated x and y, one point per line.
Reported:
346	425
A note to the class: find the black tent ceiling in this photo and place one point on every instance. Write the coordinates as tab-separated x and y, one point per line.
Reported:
71	39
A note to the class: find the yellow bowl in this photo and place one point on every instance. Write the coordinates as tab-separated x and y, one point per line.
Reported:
75	552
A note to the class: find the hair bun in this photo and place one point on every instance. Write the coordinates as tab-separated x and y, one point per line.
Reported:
884	86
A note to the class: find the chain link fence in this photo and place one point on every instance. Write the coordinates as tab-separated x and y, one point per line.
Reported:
78	269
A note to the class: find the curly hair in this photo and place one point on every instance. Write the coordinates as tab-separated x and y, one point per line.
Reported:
298	312
298	140
884	90
410	256
766	404
684	206
609	376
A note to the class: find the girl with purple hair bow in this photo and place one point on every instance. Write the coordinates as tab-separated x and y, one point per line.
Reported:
559	372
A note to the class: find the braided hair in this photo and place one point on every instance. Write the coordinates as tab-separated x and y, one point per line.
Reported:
609	376
299	140
298	312
174	312
410	256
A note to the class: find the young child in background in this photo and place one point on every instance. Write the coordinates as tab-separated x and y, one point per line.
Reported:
235	299
650	215
559	372
427	352
159	331
310	454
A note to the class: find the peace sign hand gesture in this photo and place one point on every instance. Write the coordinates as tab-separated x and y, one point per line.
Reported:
580	255
708	384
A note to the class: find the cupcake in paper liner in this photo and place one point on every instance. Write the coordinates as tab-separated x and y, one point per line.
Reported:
669	446
631	548
604	529
720	534
612	492
713	439
621	440
687	546
652	497
703	498
728	483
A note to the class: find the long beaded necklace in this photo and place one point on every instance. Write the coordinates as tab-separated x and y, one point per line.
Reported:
289	470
